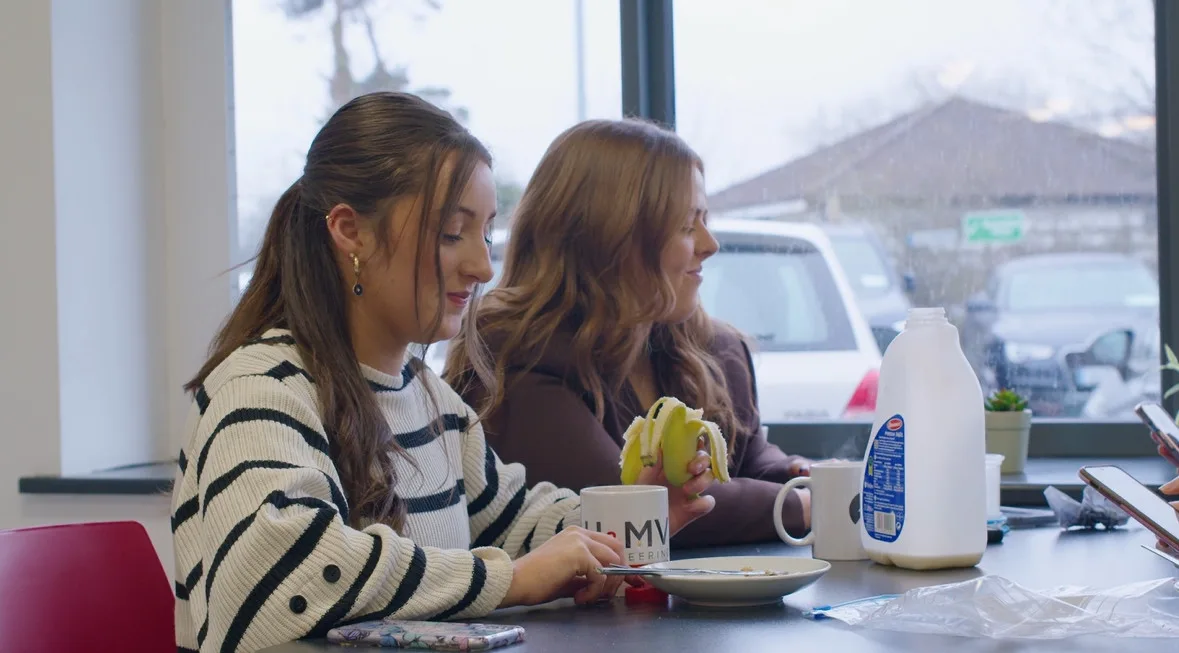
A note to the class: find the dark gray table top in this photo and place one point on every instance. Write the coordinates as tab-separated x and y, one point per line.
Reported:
1038	559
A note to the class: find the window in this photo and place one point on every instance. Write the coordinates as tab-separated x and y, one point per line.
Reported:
517	72
993	157
783	299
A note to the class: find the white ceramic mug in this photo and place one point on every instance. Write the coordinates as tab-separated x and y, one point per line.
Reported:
835	510
634	514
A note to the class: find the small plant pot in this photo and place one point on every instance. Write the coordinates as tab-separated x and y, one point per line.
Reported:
1007	434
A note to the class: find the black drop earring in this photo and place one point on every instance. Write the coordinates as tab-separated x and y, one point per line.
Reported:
357	289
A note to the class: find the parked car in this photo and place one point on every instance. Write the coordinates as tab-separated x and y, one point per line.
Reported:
1036	307
881	292
1113	373
780	283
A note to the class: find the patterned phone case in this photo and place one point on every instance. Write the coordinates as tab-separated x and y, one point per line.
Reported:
430	635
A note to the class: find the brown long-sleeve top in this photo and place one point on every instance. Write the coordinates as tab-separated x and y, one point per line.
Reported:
547	423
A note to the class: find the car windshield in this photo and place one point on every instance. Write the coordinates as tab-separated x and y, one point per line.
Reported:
865	268
785	298
1093	285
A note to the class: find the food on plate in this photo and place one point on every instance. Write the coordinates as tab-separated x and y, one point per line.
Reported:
673	428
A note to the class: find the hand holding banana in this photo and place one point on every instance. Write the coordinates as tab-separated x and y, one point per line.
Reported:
663	448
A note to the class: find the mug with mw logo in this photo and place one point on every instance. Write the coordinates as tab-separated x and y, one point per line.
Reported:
634	514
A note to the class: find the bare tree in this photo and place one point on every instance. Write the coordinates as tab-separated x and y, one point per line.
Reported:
1113	63
343	85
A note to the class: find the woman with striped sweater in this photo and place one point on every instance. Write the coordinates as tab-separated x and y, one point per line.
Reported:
328	475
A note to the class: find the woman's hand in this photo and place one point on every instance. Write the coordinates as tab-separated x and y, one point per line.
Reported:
1170	487
1169	457
800	466
566	565
684	504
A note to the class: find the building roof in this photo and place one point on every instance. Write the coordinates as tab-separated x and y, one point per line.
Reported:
957	149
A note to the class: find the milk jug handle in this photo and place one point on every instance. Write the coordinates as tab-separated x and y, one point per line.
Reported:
778	501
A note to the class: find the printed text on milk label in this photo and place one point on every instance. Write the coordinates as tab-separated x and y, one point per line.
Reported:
884	482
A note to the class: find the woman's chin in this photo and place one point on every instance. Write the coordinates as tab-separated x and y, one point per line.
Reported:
448	329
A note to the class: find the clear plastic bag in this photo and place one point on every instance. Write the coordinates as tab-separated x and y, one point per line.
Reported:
995	607
1093	510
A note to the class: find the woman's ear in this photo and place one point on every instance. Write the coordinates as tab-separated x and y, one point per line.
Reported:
350	233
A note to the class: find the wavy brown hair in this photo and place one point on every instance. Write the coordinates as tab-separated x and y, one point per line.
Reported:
583	260
375	150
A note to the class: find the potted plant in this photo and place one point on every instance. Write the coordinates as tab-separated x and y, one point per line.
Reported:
1009	423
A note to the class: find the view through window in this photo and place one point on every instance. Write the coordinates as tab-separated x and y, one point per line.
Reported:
516	72
993	157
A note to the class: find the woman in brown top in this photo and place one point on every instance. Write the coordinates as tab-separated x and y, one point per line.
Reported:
596	317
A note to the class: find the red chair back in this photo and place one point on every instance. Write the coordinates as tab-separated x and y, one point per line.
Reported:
84	587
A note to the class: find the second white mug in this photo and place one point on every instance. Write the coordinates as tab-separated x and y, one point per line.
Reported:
835	510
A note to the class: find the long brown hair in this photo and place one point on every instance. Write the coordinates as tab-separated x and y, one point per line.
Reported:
583	259
374	150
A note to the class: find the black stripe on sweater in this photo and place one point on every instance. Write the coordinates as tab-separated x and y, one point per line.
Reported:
272	340
202	398
181	649
414	572
427	434
491	489
407	374
185	589
286	565
437	501
182	461
222	483
478	580
497	528
276	499
285	370
344	605
241	415
203	632
186	511
234	535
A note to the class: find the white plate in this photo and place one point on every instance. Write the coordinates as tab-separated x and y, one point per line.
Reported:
730	591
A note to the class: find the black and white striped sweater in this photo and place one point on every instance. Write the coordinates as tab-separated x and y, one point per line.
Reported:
263	551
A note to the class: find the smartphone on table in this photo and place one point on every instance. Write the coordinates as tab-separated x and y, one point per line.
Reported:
1162	428
1146	507
429	635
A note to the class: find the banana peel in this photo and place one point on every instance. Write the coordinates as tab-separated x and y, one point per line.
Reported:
674	429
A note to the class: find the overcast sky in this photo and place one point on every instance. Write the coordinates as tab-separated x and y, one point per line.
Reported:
758	82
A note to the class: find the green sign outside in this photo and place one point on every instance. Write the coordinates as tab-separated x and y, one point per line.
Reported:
983	227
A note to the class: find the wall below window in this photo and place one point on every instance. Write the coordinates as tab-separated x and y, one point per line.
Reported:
115	201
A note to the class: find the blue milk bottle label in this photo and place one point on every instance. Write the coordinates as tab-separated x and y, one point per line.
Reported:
884	482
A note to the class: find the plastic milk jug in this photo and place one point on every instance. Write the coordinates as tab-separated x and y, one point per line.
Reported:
923	501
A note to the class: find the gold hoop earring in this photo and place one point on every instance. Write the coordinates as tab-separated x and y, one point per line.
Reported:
357	289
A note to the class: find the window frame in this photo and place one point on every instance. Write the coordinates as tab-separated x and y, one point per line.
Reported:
648	91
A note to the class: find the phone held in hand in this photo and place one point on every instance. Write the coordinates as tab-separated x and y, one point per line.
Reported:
428	635
1162	428
1146	507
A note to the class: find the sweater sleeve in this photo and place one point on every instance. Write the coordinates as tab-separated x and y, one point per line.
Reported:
548	428
266	520
504	511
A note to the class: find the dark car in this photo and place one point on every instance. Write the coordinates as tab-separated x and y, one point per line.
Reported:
1038	308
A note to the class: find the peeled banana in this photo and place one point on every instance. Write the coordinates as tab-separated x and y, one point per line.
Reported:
675	429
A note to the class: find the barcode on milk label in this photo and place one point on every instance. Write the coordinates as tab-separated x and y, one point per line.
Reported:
885	523
883	498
